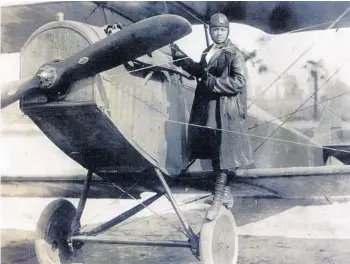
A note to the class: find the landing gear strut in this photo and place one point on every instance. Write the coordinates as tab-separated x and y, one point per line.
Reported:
59	234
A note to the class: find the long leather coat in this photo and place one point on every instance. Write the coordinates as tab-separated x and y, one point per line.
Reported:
216	130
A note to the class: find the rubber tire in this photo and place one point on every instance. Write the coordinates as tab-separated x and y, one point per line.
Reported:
54	225
211	235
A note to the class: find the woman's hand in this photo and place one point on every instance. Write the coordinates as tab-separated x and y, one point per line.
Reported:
208	79
177	52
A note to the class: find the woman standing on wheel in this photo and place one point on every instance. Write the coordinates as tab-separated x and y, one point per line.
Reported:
216	130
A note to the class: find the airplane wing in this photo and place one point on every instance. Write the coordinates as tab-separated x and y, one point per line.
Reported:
271	17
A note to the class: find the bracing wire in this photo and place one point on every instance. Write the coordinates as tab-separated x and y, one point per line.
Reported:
152	66
147	207
268	87
164	119
110	204
290	114
314	26
180	205
126	192
183	123
247	134
255	126
298	108
296	60
172	61
190	13
294	85
301	109
16	120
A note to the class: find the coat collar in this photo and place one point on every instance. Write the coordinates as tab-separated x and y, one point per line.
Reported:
214	58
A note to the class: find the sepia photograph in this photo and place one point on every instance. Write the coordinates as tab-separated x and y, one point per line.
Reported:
213	132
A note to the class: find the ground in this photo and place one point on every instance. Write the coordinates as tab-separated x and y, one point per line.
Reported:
309	246
272	231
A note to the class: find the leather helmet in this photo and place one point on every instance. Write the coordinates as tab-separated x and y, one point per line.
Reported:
218	20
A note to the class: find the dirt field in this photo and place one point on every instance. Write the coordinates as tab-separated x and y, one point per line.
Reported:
18	245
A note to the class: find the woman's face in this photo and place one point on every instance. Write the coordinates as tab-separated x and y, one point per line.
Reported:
219	34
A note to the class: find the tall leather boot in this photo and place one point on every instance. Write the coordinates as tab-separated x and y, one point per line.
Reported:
219	193
228	200
228	197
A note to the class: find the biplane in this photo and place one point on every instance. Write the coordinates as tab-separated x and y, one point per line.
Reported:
118	106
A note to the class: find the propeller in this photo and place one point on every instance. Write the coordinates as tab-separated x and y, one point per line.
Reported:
126	45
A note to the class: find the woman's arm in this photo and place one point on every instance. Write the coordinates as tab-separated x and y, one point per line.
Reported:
182	60
233	84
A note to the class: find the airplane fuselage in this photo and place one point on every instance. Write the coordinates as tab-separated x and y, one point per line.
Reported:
133	117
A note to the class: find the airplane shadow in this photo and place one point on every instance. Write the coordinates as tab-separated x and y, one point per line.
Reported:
249	210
